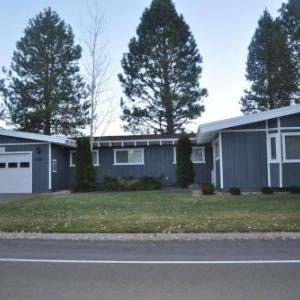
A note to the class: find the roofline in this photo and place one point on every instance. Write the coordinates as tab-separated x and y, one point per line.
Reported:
59	140
213	127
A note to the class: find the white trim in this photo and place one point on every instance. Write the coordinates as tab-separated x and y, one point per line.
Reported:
49	167
280	152
221	160
16	152
97	164
174	156
203	155
284	134
38	137
268	160
54	165
207	131
128	163
277	147
72	164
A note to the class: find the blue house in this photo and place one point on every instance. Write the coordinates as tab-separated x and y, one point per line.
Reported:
248	152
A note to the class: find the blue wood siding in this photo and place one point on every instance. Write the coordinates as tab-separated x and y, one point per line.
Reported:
40	171
159	162
244	160
60	179
274	175
290	121
291	174
257	125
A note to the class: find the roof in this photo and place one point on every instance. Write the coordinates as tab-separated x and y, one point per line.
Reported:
206	132
59	140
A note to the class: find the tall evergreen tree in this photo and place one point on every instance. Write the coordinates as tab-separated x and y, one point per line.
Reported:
290	21
43	90
269	69
161	73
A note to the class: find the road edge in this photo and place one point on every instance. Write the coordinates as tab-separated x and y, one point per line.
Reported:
152	236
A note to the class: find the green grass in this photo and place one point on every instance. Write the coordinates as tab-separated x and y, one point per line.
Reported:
152	211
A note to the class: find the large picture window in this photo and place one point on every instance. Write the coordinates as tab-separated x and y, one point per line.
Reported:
95	156
292	147
197	156
128	156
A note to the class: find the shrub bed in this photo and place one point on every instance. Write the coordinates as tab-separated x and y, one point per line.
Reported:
235	191
130	184
207	188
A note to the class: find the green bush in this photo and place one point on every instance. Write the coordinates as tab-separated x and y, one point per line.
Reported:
294	189
84	180
184	167
235	191
130	184
207	188
267	190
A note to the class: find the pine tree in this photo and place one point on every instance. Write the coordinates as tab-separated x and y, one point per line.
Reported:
269	69
290	21
43	91
161	73
184	165
84	180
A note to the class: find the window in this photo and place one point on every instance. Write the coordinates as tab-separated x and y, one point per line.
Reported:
2	165
12	165
198	155
292	147
24	164
54	165
274	148
128	156
95	156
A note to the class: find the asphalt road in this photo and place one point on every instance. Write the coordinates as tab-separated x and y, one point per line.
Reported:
209	270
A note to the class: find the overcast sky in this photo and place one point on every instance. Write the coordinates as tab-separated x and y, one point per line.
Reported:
222	29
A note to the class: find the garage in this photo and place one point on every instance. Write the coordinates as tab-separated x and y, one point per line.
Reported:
15	172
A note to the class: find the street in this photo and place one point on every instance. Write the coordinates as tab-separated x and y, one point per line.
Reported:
209	270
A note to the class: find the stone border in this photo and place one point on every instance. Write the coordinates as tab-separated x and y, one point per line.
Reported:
152	236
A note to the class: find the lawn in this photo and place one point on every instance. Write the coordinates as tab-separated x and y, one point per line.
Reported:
152	211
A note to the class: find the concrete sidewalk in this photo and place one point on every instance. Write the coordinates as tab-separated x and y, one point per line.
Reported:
152	236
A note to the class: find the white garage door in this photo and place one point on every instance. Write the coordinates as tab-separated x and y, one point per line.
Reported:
15	173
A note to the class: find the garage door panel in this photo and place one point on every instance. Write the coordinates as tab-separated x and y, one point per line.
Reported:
15	173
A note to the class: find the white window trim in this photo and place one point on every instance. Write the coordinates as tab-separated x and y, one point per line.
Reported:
54	166
277	145
128	163
72	164
286	160
194	162
203	155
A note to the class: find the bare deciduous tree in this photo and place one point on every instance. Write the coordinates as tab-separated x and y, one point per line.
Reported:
97	73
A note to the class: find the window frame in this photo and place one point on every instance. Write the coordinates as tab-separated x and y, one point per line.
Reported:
72	164
194	162
277	148
128	163
285	159
54	165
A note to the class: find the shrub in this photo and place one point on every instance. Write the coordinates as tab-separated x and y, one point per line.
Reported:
207	188
84	180
235	191
184	167
130	184
267	190
294	189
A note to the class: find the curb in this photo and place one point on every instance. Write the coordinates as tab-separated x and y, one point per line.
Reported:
152	236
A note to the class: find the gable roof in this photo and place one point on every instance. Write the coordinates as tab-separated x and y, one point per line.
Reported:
59	140
206	132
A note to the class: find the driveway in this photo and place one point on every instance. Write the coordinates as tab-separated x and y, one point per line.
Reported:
5	198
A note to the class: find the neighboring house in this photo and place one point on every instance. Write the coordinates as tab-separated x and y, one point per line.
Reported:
254	151
248	152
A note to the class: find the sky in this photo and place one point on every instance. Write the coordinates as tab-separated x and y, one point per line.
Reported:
222	29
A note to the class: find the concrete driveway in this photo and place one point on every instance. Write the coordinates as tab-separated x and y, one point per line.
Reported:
5	198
